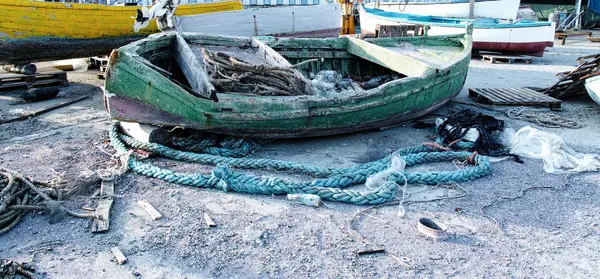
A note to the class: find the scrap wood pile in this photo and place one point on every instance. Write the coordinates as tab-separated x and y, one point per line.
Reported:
19	195
231	74
572	83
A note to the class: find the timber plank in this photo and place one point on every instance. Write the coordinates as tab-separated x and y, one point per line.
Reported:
107	192
513	97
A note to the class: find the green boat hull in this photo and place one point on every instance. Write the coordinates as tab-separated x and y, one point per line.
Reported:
136	91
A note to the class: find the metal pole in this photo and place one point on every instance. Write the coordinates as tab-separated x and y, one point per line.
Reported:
472	8
577	13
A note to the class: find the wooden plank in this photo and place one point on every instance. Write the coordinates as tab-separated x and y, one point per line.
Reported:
193	70
209	221
144	132
154	214
119	256
107	192
395	61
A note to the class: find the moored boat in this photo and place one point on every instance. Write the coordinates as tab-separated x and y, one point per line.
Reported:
33	31
523	36
502	9
320	20
592	85
144	84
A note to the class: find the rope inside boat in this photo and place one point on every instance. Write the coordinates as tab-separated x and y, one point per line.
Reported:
329	184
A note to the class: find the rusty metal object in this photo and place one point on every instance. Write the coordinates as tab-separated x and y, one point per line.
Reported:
432	228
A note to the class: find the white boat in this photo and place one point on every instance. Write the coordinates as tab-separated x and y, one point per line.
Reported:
523	36
502	9
321	20
592	85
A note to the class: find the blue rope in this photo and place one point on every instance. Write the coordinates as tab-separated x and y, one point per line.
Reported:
329	183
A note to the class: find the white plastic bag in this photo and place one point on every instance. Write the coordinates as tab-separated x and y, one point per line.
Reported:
557	156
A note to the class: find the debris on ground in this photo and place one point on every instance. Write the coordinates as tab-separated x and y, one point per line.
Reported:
432	228
12	269
549	120
209	222
306	199
19	195
27	69
119	256
154	214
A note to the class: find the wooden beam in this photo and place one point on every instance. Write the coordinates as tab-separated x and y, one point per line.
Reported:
107	192
119	256
388	58
154	214
145	133
193	70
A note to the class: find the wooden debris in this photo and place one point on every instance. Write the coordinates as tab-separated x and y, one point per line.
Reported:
119	256
107	192
508	58
31	137
11	81
370	251
64	67
565	34
209	221
572	83
28	69
154	214
145	133
513	97
36	113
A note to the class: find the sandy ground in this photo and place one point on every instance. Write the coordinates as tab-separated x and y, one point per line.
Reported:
547	233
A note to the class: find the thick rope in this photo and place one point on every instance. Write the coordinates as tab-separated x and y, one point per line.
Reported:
18	195
329	185
549	120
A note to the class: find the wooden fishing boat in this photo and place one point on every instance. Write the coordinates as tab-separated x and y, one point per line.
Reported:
592	85
144	84
523	36
502	9
308	21
37	31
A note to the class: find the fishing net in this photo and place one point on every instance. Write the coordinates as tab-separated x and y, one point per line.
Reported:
478	129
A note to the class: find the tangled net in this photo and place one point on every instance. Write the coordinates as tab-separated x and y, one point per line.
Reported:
10	269
229	74
19	195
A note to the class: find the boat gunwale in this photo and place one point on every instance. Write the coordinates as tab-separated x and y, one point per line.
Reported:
462	24
225	97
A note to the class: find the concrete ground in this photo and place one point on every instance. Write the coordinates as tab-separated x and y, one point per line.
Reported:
546	233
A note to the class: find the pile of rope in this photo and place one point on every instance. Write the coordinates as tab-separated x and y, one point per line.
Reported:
328	183
229	74
9	269
549	120
19	195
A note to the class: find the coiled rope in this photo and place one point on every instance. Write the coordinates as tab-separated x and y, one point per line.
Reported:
330	183
549	120
19	195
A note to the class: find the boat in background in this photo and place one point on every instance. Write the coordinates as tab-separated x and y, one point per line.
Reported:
592	86
32	31
308	21
500	9
145	84
523	36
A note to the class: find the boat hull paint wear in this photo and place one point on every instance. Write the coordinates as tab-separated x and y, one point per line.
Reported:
323	20
33	31
529	38
137	92
502	9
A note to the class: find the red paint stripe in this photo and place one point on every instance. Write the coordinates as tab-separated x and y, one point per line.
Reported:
532	48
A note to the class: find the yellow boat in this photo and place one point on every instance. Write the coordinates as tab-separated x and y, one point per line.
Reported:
33	31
